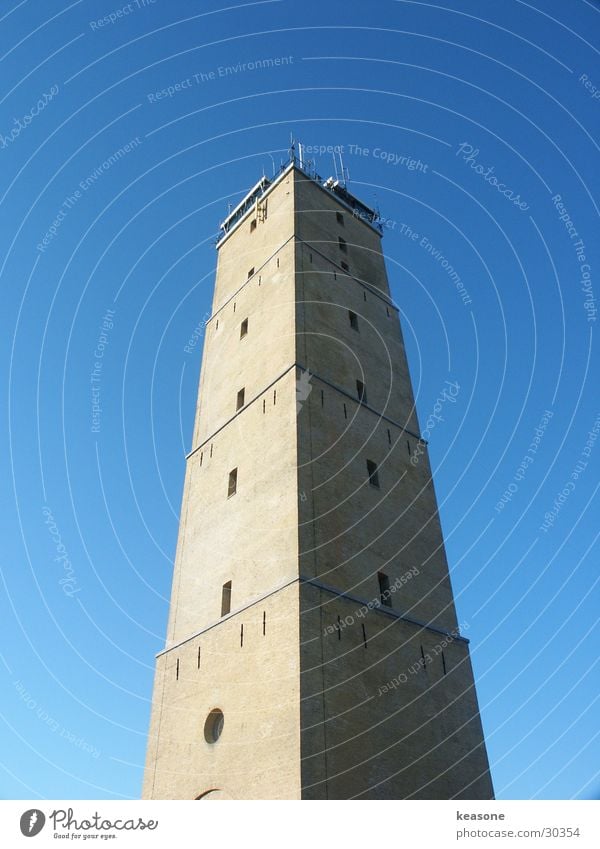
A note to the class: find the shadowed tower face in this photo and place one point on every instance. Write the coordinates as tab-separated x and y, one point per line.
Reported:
313	650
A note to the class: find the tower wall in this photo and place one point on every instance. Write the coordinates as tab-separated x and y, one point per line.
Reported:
302	665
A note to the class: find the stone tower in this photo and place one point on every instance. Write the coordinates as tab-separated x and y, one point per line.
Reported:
313	649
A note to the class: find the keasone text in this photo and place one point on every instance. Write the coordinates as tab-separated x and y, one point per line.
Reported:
478	816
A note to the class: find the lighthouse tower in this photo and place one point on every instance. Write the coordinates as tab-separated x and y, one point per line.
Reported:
313	649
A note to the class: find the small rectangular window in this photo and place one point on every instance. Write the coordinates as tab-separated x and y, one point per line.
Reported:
361	391
250	272
226	599
240	398
340	218
243	328
345	266
232	486
373	473
385	596
253	225
353	320
343	245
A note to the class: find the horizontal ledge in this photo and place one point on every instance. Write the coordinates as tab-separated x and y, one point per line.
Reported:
301	579
388	611
322	380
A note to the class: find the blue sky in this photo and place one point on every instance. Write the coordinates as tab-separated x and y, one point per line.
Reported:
482	94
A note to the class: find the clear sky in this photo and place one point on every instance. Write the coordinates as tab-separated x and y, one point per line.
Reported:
122	142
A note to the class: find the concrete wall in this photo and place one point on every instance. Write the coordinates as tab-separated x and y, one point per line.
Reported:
378	720
256	685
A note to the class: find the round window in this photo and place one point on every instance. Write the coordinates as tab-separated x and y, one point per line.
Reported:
213	727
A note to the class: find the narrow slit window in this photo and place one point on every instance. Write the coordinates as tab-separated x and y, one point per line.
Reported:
264	405
234	306
387	310
339	628
244	328
232	485
310	257
201	457
444	663
385	596
277	262
226	599
389	436
345	412
343	245
177	670
240	398
250	272
364	630
198	657
408	447
361	391
217	324
345	266
423	661
264	622
211	449
373	473
340	218
253	225
322	398
241	635
353	318
274	396
364	296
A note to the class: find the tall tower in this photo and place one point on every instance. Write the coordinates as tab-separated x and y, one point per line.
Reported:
313	649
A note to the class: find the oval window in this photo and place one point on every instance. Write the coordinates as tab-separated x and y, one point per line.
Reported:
213	727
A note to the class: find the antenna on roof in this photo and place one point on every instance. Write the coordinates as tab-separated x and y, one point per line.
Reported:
292	148
335	168
272	160
342	170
